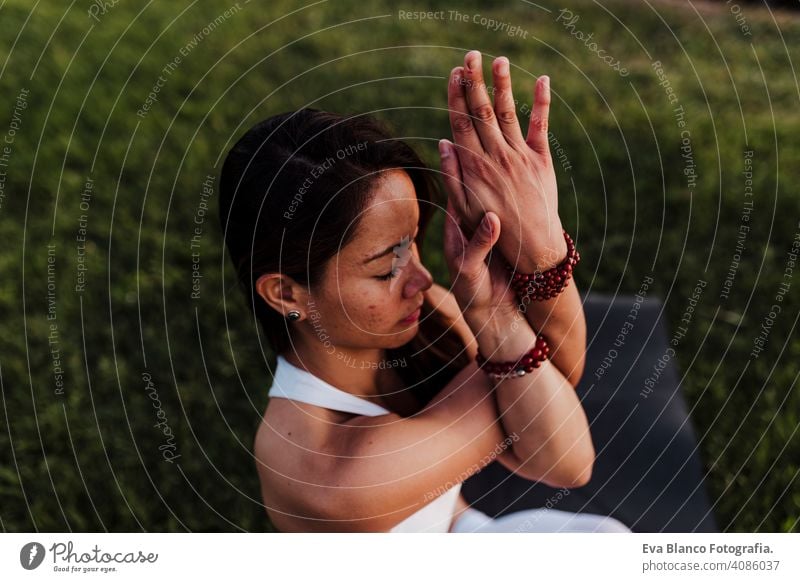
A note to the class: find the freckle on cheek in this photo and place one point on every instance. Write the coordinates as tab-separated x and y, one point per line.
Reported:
372	307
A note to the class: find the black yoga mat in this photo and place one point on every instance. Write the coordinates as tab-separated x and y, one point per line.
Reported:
648	473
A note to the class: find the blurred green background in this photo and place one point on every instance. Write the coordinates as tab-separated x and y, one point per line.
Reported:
89	458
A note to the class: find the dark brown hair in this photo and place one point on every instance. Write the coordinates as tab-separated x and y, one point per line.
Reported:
279	215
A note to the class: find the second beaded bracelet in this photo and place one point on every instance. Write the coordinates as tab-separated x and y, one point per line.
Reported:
526	364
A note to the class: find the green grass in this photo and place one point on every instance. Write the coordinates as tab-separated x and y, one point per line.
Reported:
89	459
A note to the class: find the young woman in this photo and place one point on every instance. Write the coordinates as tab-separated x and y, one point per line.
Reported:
378	409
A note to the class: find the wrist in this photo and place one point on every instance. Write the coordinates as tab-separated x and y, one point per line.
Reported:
531	253
505	340
492	324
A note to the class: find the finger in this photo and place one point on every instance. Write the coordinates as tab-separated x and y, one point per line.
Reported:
480	106
504	106
481	243
451	172
537	129
464	133
454	242
452	212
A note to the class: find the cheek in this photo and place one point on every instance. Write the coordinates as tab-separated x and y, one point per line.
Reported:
374	307
375	311
358	305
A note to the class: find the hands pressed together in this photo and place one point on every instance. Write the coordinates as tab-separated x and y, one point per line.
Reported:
501	186
503	209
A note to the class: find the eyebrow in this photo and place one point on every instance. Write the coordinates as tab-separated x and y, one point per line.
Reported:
387	250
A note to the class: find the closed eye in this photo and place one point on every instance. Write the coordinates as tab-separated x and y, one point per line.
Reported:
390	275
396	268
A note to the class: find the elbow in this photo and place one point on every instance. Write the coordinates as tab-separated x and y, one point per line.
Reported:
577	372
572	477
581	466
563	463
574	471
580	475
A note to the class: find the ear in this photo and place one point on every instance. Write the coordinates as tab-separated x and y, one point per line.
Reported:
282	293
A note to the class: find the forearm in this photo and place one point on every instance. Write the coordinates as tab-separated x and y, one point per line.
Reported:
541	408
562	321
555	444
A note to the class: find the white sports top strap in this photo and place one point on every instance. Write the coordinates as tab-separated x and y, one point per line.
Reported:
297	384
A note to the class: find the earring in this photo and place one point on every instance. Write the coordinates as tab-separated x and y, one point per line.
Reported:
293	315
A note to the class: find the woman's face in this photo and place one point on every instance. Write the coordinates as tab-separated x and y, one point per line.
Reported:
376	280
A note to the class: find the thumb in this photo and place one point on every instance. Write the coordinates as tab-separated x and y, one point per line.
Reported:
485	237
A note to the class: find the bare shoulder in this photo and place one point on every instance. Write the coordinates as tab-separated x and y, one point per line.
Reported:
445	302
293	454
304	457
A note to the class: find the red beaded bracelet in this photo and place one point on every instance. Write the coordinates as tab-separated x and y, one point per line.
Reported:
525	365
546	285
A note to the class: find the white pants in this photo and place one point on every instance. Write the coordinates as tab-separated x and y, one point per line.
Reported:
537	521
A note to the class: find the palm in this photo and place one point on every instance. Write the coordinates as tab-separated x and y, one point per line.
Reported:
502	295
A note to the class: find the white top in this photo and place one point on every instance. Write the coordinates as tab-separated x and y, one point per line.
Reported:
297	384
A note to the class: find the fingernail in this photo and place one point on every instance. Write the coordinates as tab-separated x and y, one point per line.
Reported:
444	148
487	224
502	66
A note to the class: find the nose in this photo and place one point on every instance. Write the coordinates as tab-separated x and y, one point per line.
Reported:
419	278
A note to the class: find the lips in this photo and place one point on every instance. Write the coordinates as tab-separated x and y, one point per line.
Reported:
414	314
